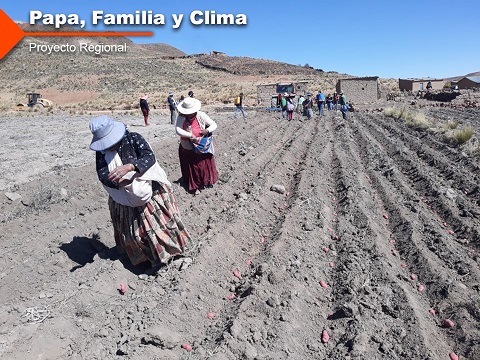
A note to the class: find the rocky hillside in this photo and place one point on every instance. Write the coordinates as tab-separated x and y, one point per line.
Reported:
79	81
250	66
84	81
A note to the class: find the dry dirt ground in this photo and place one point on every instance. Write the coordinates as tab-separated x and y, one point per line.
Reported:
375	240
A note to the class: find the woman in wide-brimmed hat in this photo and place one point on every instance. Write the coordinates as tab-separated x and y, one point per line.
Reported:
196	152
145	217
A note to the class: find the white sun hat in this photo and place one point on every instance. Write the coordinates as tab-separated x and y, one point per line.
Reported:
189	106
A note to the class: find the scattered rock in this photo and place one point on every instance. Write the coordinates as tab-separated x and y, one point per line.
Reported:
271	302
278	189
63	194
308	226
13	196
450	194
236	329
132	285
261	269
182	263
161	337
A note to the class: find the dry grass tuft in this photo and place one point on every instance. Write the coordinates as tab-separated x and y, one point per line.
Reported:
452	124
42	199
82	310
414	120
392	112
463	135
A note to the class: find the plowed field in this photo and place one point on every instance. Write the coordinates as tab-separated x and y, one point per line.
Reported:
374	240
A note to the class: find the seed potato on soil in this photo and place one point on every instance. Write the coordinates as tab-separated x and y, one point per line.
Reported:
66	292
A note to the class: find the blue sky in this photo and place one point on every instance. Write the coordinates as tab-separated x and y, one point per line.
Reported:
386	38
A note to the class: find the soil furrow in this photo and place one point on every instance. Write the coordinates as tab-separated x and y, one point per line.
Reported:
437	242
258	292
455	165
370	287
259	237
429	184
414	246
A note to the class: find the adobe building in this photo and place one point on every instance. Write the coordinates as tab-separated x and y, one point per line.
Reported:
359	90
469	82
415	85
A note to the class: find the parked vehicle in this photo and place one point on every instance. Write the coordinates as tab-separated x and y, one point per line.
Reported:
35	102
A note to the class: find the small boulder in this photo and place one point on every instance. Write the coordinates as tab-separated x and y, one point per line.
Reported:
13	196
278	189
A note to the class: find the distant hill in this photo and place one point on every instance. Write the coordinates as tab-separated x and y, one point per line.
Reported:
115	80
163	49
250	66
456	78
477	73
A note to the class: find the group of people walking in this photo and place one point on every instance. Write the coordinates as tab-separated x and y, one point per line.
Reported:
306	103
337	101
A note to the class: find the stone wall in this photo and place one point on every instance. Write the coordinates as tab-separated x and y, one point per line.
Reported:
264	94
359	90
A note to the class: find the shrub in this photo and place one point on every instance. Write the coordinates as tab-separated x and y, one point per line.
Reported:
393	112
415	120
389	112
452	124
463	135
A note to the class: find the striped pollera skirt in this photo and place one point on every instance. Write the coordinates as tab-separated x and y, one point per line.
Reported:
153	232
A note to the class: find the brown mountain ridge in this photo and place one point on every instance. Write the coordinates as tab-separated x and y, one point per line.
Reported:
114	80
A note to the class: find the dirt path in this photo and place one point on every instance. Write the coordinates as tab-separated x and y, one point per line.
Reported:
384	216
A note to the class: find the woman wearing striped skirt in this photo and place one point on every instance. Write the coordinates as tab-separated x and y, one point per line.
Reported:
145	217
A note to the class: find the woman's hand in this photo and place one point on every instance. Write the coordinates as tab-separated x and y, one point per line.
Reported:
204	132
194	139
120	171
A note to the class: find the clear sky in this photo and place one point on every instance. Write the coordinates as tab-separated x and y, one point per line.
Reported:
386	38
